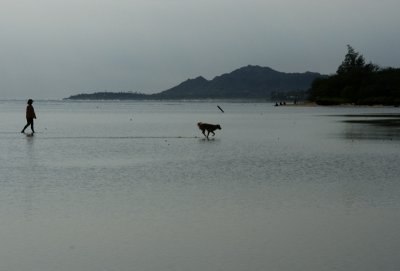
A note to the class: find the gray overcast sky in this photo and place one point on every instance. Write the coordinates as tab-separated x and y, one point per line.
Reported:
52	49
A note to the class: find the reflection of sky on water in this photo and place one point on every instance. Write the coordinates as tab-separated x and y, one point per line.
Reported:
376	127
134	186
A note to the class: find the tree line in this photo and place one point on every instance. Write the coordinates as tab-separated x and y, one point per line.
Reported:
357	82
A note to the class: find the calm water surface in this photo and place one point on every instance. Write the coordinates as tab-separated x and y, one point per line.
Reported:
134	186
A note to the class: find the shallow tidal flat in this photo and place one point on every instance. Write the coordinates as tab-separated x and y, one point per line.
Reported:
135	186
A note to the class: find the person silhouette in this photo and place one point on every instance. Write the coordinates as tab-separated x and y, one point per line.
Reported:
30	115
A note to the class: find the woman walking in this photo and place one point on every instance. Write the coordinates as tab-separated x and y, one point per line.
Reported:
30	115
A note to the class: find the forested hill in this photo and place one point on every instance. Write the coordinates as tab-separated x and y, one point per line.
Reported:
246	82
250	82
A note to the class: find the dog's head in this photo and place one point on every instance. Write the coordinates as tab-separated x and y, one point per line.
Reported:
218	126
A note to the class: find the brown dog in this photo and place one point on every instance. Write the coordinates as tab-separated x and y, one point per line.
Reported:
210	128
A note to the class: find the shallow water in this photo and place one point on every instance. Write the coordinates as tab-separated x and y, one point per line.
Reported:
134	186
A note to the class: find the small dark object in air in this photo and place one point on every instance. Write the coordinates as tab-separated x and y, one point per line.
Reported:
220	109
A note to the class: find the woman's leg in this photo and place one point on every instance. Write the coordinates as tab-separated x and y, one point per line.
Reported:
26	126
28	122
32	127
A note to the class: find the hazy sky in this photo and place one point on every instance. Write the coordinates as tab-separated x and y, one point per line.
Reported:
52	49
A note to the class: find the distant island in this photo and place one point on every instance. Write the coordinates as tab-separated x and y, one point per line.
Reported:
355	82
250	82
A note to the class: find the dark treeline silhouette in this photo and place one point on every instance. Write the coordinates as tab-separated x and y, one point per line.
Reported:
358	82
109	96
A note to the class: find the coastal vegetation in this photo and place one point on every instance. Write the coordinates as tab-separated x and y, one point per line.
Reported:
357	82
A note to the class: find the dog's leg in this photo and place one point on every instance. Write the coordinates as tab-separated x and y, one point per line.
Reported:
204	133
208	133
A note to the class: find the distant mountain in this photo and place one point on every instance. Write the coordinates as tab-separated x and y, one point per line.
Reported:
246	82
250	82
